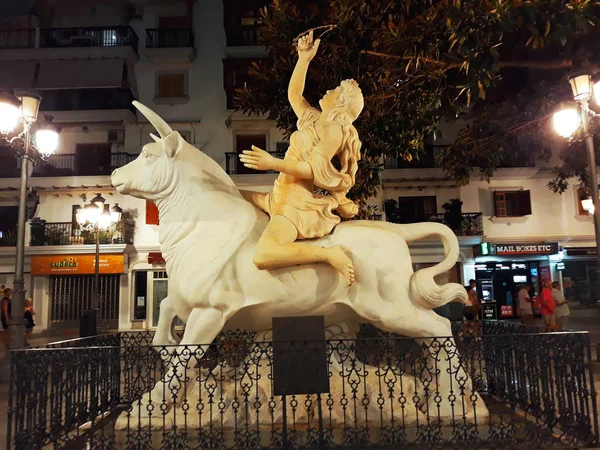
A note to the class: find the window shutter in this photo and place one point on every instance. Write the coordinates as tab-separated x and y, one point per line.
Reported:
495	200
524	203
151	214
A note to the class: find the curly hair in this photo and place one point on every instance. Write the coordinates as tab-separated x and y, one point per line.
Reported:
349	105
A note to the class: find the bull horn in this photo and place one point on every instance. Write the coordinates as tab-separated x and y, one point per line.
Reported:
158	122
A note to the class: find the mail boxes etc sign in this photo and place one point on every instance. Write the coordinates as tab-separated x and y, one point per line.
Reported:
76	264
487	249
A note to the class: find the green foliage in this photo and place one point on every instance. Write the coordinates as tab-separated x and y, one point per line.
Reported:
500	64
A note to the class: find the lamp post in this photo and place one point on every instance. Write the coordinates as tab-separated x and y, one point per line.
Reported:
95	217
23	107
566	122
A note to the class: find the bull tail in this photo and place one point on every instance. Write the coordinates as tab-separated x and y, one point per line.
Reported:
423	287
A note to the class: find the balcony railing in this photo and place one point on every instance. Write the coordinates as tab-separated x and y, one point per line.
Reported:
469	224
87	99
233	165
64	233
71	165
169	38
8	238
89	37
64	165
242	35
17	38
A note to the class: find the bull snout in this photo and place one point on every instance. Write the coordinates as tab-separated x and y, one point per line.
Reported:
114	173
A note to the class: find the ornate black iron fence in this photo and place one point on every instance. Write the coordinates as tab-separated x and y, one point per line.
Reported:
488	387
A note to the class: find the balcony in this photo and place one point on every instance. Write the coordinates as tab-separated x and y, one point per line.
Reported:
17	38
66	233
8	238
170	45
233	165
471	224
66	165
243	35
69	43
169	38
88	37
89	105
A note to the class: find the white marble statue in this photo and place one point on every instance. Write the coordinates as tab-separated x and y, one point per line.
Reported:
209	234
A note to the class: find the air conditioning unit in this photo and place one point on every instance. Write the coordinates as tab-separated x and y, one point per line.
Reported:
116	137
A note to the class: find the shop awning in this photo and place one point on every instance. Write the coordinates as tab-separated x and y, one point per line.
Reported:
81	73
17	74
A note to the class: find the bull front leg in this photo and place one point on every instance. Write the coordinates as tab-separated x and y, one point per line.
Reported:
203	326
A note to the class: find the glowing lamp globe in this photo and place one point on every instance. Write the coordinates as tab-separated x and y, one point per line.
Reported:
46	141
104	220
566	122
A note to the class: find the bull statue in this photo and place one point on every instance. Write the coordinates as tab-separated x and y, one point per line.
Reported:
208	234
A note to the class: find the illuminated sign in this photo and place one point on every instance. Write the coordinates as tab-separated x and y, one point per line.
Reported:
76	264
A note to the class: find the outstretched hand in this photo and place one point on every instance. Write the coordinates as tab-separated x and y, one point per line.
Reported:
257	159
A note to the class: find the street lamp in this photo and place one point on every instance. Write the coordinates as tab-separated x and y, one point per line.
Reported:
566	123
95	217
22	107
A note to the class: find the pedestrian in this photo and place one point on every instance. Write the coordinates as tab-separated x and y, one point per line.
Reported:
472	306
5	311
562	311
548	307
525	308
28	316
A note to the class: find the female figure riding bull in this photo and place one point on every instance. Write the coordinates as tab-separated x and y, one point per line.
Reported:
295	211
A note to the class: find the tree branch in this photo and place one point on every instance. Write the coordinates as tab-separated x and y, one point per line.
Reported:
544	65
447	65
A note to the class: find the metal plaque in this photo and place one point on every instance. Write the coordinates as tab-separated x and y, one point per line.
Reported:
299	356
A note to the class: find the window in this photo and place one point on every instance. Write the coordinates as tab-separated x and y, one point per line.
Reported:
171	85
235	75
512	203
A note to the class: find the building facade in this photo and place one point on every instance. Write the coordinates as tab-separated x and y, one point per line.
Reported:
89	60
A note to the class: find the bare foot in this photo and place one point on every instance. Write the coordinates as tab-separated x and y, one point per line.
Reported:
342	263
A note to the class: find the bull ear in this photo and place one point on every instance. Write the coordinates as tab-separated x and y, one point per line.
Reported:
172	144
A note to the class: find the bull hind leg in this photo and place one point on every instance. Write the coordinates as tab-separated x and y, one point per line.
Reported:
447	390
164	334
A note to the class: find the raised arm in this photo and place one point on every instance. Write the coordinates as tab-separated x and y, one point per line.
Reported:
329	145
307	50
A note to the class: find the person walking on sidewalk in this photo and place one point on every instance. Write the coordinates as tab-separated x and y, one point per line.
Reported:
548	307
525	308
5	312
562	311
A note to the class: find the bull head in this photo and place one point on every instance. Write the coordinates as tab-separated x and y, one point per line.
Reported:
152	175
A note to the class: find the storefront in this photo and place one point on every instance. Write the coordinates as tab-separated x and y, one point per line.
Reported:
579	275
69	283
502	269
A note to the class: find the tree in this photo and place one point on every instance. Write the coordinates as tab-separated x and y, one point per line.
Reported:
500	64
